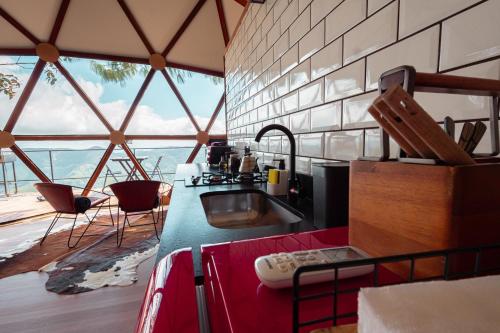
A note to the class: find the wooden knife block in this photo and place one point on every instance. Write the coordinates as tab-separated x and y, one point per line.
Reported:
398	208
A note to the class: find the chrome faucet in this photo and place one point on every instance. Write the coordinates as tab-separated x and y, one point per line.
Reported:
292	182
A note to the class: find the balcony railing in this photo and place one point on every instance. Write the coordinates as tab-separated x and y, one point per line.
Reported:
75	166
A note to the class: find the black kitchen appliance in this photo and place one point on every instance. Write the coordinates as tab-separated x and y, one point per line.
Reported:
216	151
331	194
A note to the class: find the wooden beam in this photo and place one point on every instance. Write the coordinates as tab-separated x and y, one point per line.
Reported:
191	68
134	160
194	153
25	95
18	52
242	2
222	20
183	27
30	164
59	21
136	26
159	137
101	137
19	26
106	57
136	101
50	137
215	114
181	100
83	95
98	169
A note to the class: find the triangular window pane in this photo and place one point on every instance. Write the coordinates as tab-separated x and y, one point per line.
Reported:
219	126
112	98
202	93
15	72
57	109
160	112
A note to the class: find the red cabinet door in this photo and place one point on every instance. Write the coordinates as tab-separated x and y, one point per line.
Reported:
169	305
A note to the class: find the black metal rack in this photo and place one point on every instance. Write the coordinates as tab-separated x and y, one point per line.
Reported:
447	274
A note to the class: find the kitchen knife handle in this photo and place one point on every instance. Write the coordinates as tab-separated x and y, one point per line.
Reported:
466	135
479	130
449	127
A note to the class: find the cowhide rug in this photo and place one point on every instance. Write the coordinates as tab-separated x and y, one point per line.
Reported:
102	264
96	262
20	251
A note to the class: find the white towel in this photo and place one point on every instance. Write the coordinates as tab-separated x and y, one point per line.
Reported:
469	305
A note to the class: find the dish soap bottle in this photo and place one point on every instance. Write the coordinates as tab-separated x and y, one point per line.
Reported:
277	180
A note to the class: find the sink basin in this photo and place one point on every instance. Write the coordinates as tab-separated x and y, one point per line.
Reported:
246	209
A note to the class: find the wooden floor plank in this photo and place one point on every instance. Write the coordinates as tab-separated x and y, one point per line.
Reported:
26	307
21	206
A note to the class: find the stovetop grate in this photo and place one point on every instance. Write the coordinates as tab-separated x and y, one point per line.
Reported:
225	178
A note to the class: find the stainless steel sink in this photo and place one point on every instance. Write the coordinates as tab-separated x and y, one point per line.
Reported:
246	209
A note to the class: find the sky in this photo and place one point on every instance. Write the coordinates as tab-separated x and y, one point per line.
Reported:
59	109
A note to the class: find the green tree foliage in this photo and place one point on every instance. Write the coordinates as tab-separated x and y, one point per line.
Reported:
117	72
9	84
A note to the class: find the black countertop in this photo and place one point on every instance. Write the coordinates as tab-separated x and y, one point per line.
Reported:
186	224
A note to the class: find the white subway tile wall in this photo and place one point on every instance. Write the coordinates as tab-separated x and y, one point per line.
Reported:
372	34
300	75
416	15
471	36
301	26
312	42
326	60
311	144
300	122
312	94
289	15
344	145
320	8
327	117
374	5
345	82
355	112
290	59
421	51
313	66
281	46
346	16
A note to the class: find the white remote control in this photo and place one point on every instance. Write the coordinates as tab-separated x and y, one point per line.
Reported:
276	270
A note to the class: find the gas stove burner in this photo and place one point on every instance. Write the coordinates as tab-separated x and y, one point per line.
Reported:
225	178
213	178
250	178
